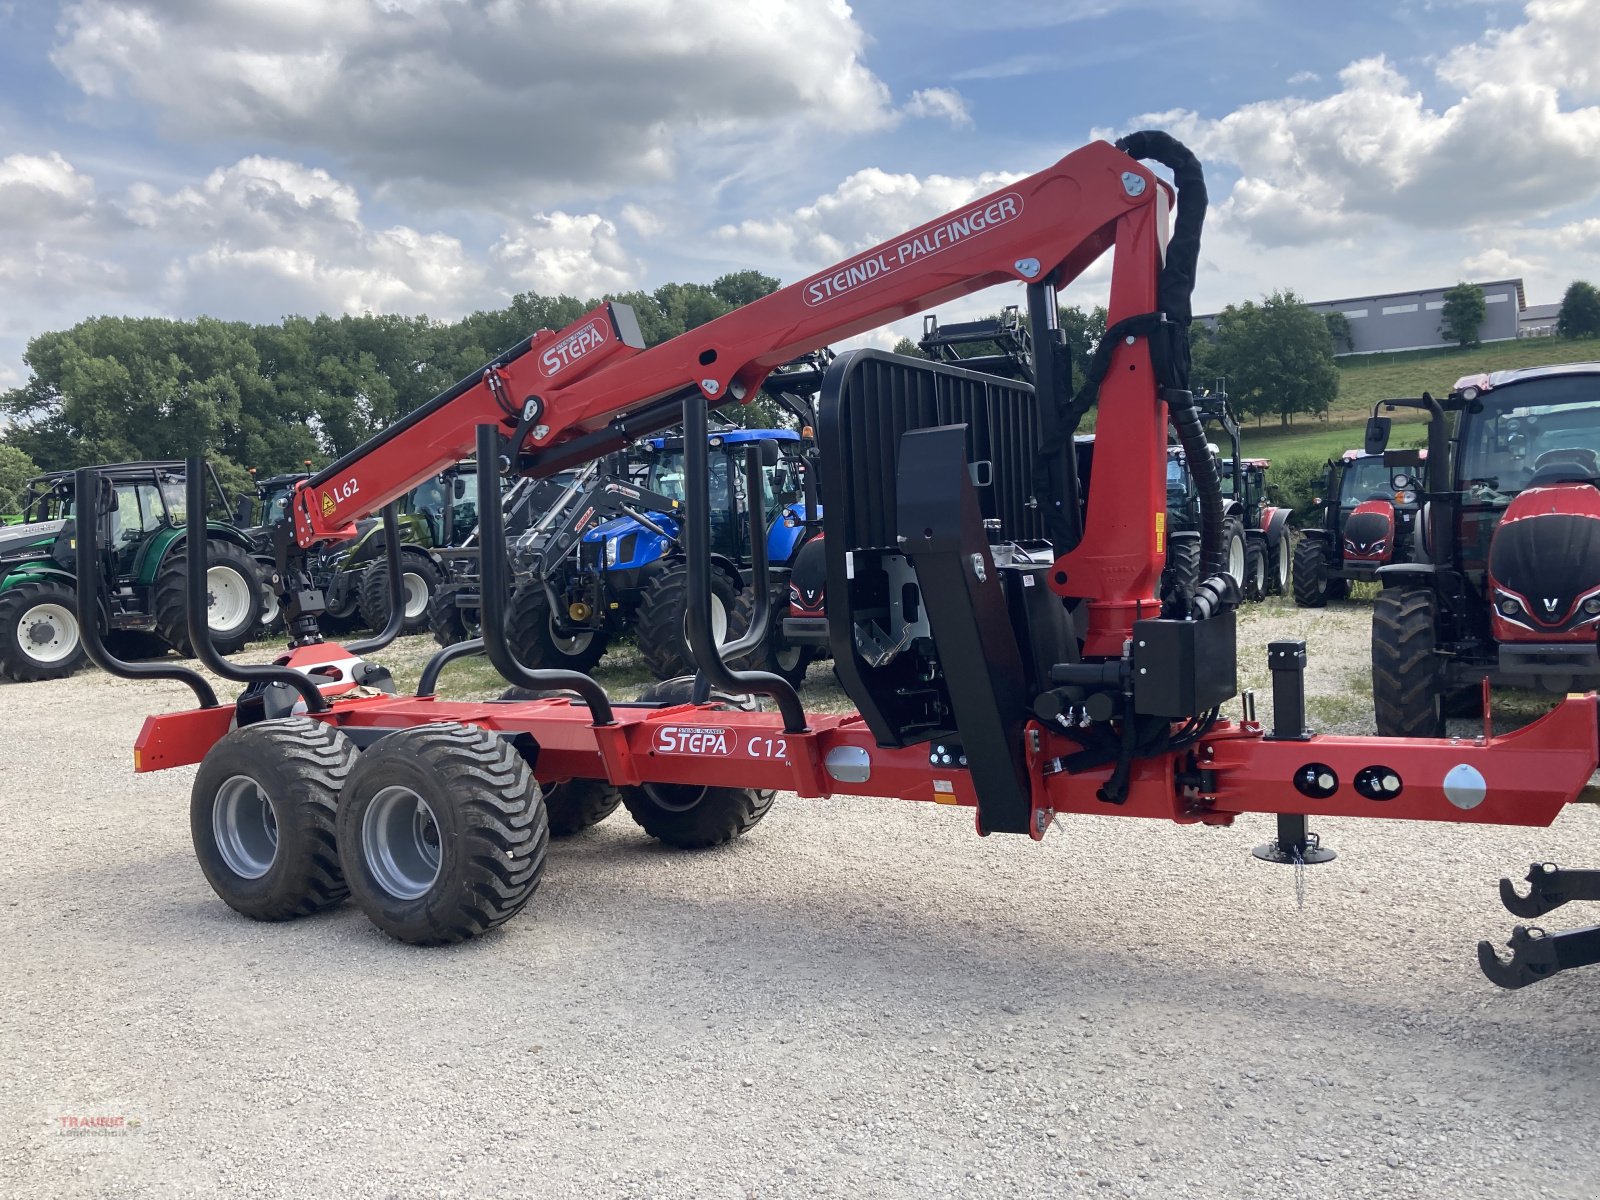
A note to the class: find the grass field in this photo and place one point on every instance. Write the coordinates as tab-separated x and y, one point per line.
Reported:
1366	379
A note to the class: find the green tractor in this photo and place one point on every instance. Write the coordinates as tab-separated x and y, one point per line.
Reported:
353	578
145	610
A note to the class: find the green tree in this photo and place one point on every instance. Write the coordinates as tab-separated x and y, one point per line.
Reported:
1580	311
1084	331
1339	330
1462	315
1277	358
16	468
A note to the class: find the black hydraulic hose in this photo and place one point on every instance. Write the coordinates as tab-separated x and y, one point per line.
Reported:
198	602
397	598
91	587
1185	417
703	646
494	575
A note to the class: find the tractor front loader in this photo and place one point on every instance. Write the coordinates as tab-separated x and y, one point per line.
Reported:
995	624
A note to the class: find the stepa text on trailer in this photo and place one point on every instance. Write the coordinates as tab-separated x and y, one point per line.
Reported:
998	632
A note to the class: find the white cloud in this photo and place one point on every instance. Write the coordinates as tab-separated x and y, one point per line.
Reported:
945	104
39	192
482	97
1505	150
868	207
563	254
1300	77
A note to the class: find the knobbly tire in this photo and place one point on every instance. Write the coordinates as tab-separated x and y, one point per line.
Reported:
1182	573
261	813
39	635
659	625
1279	578
416	572
1310	573
448	620
774	654
532	634
687	816
1405	676
236	569
442	833
1236	553
572	805
1255	571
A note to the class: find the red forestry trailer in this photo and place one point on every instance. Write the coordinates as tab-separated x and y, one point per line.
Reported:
993	616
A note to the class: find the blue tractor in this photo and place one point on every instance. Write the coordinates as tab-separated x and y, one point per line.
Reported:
614	562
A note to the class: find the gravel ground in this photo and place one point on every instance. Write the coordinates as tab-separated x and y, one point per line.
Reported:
859	999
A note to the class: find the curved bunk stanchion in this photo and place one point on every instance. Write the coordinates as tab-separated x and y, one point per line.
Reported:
495	573
703	648
90	526
199	629
429	682
397	599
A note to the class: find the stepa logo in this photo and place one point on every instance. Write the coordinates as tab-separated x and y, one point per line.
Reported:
694	739
570	349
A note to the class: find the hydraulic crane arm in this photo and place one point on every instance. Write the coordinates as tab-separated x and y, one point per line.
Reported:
573	395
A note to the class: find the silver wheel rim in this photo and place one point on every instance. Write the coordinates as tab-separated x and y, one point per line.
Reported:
245	826
719	622
416	589
230	600
400	842
1283	564
675	797
1261	574
788	657
574	645
1236	560
48	633
269	605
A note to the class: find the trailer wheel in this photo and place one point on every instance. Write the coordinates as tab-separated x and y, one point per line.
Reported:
1255	571
39	635
774	654
687	816
1406	696
660	626
531	630
450	622
233	598
261	814
575	804
419	581
1310	573
442	833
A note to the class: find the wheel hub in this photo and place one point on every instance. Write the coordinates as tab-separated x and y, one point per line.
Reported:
244	823
48	633
401	843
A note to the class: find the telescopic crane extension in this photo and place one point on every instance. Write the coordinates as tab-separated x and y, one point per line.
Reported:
961	545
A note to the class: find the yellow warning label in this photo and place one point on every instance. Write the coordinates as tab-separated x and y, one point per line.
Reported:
1161	533
327	504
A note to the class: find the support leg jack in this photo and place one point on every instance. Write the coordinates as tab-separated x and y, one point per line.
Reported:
1295	844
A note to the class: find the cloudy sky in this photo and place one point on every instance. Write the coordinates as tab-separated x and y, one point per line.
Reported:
251	158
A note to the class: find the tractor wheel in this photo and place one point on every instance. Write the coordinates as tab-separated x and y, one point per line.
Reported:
531	630
233	595
774	654
1182	574
1278	558
1255	571
39	637
262	817
1405	674
1236	556
419	580
688	816
660	626
271	607
442	833
1310	573
449	621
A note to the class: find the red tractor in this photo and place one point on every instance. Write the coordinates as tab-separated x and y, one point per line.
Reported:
1369	506
1506	584
995	624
